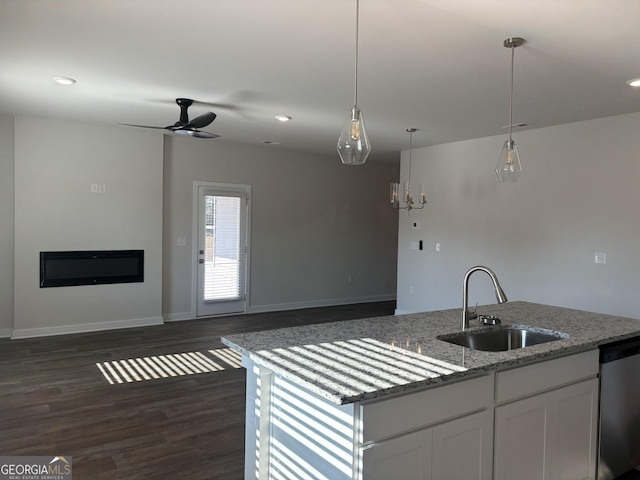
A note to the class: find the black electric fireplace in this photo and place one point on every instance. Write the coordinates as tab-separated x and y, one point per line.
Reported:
65	269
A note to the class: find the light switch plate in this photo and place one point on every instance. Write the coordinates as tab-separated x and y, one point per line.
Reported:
600	258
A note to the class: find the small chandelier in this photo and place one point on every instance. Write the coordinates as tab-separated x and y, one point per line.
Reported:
353	144
509	168
407	198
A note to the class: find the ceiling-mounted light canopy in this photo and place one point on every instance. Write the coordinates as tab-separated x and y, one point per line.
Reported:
353	144
407	198
509	167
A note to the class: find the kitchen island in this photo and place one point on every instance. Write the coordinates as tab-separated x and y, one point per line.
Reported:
364	398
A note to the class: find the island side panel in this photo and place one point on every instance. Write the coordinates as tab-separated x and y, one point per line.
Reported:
258	396
293	433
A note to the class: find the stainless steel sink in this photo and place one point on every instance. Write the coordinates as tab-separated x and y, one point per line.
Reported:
501	339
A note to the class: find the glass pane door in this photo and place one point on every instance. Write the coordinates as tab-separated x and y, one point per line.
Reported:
222	251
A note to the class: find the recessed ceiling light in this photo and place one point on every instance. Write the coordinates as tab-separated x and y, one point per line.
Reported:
634	82
64	80
283	118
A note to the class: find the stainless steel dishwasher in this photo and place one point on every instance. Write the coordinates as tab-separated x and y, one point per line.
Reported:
619	408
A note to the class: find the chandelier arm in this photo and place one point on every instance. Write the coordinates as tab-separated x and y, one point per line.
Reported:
408	206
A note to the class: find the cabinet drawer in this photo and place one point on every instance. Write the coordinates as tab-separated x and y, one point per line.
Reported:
523	381
387	418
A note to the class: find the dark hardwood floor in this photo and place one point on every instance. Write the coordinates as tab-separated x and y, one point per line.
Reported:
55	401
630	475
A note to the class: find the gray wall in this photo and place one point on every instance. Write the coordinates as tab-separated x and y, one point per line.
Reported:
55	164
579	194
314	223
6	225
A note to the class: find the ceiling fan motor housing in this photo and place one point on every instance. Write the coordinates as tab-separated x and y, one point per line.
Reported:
184	104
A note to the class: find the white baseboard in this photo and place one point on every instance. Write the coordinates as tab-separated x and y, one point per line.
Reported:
5	332
179	317
276	307
86	327
280	307
399	311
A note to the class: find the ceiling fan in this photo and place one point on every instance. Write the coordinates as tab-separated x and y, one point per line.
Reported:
184	126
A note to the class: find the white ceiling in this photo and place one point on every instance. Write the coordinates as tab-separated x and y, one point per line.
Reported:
436	65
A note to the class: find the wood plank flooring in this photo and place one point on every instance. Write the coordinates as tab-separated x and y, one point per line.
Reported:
55	401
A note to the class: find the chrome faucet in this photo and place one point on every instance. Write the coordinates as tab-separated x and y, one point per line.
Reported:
501	297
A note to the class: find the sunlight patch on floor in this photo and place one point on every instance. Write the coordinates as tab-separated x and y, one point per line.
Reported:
171	365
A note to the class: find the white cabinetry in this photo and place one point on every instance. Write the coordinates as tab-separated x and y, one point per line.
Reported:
455	450
456	445
463	448
549	435
536	422
408	455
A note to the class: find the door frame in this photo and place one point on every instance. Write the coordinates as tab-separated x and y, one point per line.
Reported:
195	234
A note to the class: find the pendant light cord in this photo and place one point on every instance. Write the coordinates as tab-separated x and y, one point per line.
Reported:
511	93
355	93
410	130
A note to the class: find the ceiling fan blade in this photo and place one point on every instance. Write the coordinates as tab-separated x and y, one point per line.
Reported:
201	121
199	134
183	126
142	126
194	133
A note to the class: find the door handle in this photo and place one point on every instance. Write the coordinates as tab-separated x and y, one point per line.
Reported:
201	260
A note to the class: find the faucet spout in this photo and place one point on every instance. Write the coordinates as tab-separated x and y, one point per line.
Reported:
501	297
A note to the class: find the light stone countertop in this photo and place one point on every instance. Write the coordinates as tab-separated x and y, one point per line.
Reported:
356	360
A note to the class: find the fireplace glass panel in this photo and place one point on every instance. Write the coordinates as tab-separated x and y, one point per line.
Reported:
63	269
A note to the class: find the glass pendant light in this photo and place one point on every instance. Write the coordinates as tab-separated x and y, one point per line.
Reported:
509	167
353	144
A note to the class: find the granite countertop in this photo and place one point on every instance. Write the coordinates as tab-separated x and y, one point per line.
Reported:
351	361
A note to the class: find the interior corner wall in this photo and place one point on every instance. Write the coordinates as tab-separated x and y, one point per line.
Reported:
6	224
578	194
314	223
55	209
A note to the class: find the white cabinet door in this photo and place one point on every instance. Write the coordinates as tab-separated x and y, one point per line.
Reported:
520	439
548	436
457	450
463	448
403	458
572	449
